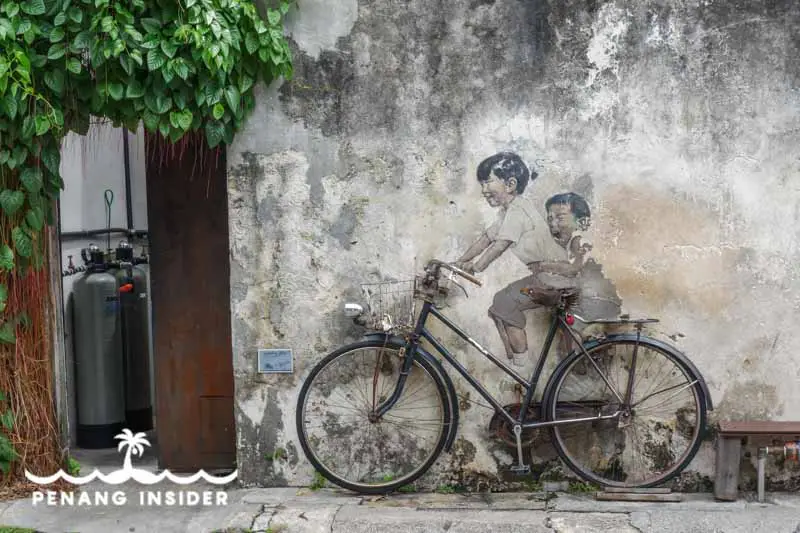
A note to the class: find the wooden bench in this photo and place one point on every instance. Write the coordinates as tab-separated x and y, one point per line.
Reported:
729	449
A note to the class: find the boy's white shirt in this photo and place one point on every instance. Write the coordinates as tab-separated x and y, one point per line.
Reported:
525	226
584	239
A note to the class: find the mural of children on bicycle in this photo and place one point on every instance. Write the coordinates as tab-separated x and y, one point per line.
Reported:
551	246
569	216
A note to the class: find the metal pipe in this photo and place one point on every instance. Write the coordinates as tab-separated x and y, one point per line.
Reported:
71	269
789	450
127	164
95	232
762	462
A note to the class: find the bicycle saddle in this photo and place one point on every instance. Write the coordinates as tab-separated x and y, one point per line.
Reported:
568	292
551	296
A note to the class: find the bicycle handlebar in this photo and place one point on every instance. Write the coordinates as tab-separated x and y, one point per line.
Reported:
460	272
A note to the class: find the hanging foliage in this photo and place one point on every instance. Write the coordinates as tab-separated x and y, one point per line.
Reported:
176	66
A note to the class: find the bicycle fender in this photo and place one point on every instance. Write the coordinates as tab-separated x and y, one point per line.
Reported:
451	390
679	355
451	393
655	342
385	336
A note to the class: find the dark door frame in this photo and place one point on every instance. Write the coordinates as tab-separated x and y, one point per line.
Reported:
187	211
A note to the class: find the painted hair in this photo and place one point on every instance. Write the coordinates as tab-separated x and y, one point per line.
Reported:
577	205
506	165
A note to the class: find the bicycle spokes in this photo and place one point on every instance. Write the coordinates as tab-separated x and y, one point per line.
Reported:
652	433
340	424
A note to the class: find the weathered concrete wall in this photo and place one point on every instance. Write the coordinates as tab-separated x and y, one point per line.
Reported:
676	120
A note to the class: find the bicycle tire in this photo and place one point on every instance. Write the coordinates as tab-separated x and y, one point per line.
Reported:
562	371
393	484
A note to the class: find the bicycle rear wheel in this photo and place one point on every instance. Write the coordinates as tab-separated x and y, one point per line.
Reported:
660	431
345	444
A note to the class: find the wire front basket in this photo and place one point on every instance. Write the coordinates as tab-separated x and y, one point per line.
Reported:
391	305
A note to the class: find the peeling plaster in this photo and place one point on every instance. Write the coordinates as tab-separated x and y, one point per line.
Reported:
313	27
676	120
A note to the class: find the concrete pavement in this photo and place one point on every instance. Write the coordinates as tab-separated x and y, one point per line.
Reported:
301	510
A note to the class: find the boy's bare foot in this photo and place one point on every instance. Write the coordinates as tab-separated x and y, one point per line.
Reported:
518	359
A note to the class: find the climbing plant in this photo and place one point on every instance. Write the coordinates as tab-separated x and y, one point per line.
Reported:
177	66
8	454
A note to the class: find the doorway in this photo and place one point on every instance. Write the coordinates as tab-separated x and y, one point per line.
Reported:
177	221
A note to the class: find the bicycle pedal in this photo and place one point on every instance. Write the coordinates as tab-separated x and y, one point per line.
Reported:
521	470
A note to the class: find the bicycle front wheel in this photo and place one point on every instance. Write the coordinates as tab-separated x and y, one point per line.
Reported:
659	430
346	444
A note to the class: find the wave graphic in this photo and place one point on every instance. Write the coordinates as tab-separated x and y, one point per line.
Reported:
139	475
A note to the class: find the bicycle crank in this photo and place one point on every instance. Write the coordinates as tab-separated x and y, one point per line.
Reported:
625	419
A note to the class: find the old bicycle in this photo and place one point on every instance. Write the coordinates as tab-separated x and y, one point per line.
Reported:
623	410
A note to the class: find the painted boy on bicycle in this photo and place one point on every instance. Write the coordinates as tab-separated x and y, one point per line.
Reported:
520	228
569	216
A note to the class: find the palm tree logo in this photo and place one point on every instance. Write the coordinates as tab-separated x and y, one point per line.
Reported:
135	446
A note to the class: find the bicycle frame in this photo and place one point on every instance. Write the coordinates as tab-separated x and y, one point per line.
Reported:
558	322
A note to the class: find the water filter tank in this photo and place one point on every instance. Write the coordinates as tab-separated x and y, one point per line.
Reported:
135	319
99	377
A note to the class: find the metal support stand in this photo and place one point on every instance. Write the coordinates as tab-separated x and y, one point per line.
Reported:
520	469
762	462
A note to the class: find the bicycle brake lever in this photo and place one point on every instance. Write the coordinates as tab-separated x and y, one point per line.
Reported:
452	279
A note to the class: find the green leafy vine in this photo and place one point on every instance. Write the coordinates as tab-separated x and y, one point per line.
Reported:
8	454
176	66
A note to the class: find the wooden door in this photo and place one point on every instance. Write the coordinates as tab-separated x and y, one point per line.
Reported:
187	211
